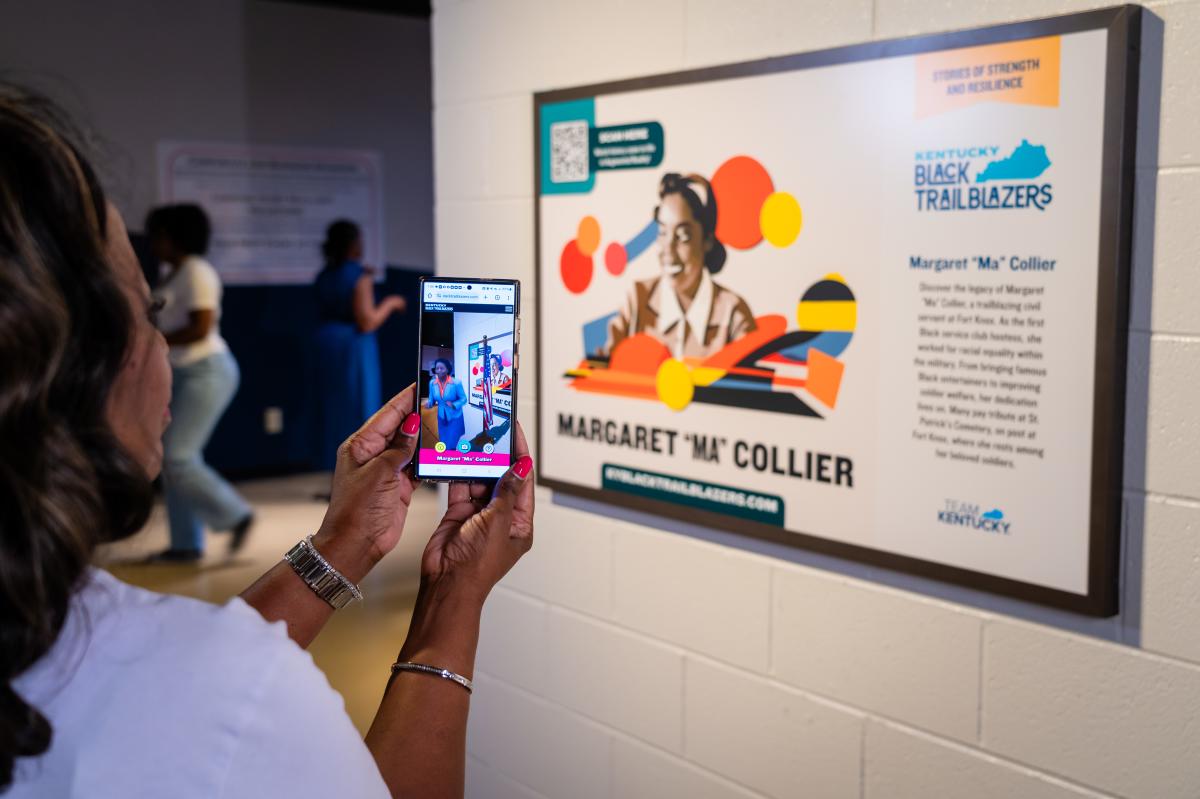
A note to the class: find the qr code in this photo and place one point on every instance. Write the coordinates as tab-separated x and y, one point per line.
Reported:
569	152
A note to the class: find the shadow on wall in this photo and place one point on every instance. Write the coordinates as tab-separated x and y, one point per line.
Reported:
1137	394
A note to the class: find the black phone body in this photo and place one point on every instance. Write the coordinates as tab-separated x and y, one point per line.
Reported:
467	365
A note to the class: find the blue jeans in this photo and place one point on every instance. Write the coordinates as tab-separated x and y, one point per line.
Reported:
197	495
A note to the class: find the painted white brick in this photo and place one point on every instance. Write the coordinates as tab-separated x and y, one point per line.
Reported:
493	239
615	677
580	41
541	745
768	737
484	49
903	764
722	32
908	17
639	770
1098	714
701	596
910	659
486	783
488	238
571	560
512	639
488	49
484	149
1179	142
1176	248
1172	434
1171	579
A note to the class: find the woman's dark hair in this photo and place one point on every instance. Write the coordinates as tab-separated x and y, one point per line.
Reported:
339	238
66	484
185	225
705	212
449	366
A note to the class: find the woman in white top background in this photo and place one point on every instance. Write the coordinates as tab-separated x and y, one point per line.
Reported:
205	379
110	691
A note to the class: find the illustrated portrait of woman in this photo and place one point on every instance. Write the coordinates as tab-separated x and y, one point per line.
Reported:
499	379
683	307
447	395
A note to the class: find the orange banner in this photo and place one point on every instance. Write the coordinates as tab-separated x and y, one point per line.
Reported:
1024	72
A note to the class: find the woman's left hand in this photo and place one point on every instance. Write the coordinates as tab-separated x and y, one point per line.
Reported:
372	488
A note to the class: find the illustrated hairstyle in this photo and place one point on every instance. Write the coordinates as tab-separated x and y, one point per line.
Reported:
339	238
66	483
449	366
184	224
705	212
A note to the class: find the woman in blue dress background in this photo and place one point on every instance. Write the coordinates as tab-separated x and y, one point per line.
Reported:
348	380
448	396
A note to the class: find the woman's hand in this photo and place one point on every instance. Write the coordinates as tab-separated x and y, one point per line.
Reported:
476	546
371	492
470	551
419	736
372	489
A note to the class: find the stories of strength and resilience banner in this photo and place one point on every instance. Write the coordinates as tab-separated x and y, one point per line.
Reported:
896	351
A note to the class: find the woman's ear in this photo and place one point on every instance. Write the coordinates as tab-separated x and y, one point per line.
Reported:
709	241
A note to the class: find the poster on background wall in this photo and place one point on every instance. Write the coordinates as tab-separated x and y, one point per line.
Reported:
869	301
490	367
270	206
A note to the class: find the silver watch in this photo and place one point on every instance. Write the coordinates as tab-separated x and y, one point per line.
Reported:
325	581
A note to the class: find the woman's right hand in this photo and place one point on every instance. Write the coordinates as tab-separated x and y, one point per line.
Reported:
476	546
471	549
419	736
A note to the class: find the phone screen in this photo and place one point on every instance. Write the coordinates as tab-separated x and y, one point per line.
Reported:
467	377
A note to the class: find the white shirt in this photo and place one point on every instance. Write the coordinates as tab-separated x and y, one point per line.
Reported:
671	314
151	695
194	286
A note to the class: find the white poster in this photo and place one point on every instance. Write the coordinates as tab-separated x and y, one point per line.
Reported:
852	303
270	206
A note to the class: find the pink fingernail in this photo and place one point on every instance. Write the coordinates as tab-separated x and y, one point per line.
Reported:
411	425
523	466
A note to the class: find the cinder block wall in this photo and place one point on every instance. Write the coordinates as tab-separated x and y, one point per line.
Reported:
619	660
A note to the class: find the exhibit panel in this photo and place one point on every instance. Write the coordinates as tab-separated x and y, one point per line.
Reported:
868	301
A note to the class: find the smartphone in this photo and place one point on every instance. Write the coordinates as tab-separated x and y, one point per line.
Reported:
467	367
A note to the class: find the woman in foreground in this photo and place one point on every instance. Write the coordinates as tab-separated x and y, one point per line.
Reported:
110	690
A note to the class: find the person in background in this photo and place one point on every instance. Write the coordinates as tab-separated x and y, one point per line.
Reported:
205	378
447	395
348	381
111	690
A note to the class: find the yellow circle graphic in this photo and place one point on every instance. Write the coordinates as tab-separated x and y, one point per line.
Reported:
674	384
780	219
439	447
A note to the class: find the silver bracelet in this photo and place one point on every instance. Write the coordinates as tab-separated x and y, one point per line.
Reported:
421	668
325	581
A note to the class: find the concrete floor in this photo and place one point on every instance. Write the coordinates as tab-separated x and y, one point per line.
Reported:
357	647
